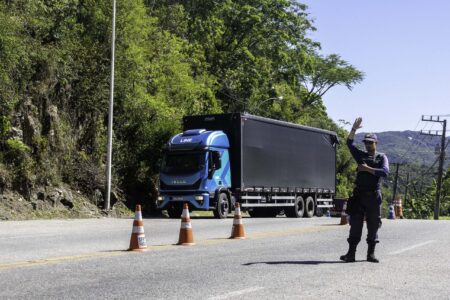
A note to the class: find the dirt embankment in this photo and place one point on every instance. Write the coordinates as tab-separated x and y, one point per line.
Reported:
55	202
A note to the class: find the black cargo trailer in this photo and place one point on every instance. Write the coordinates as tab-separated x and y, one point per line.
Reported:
276	165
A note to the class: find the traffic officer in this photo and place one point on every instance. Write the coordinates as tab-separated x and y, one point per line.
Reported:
366	198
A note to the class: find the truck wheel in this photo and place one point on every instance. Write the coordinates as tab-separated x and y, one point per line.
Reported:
297	210
319	212
222	207
174	211
309	207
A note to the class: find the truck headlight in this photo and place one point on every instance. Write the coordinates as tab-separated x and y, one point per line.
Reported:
199	198
160	198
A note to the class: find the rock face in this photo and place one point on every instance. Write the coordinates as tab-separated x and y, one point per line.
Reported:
5	180
28	119
16	134
51	197
49	156
98	197
60	196
51	121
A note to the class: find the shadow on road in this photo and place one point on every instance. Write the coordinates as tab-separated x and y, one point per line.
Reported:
306	262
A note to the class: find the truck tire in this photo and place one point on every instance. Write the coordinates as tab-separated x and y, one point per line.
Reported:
222	206
309	207
174	211
319	212
296	211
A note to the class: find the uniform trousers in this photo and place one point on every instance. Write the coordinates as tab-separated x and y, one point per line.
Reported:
368	205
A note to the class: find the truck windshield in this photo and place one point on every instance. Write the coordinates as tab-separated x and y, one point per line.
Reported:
180	163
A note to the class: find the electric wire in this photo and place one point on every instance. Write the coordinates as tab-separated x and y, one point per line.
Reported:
421	141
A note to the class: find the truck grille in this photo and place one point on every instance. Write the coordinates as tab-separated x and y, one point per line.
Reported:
194	186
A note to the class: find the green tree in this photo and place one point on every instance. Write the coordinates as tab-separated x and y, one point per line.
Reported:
173	58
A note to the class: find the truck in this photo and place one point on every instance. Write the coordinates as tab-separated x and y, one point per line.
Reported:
268	166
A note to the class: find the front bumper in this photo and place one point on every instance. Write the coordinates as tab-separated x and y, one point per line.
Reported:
164	200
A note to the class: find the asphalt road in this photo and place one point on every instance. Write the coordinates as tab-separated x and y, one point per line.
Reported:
281	259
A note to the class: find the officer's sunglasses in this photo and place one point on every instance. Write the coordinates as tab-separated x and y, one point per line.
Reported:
368	142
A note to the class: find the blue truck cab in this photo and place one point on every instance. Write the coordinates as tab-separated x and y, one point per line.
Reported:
196	170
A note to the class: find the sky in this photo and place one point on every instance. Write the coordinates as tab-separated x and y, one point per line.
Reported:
402	46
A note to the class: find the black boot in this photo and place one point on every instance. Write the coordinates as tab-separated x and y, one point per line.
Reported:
371	254
350	256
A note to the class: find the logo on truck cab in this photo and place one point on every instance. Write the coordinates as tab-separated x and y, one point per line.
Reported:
186	140
178	181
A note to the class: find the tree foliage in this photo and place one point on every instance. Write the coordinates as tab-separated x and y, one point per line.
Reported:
173	58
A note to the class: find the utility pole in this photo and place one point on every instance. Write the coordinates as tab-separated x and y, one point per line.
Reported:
394	190
406	187
441	158
110	112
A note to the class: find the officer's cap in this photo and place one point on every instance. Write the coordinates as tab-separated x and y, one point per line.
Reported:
370	137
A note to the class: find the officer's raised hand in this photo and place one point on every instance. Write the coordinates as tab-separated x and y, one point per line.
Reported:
357	124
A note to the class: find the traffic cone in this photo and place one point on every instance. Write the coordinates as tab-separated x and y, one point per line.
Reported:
186	237
237	232
344	220
391	214
400	209
137	241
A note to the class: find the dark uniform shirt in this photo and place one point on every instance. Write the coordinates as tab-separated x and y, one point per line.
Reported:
365	181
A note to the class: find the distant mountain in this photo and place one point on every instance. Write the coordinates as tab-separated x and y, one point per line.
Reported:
408	147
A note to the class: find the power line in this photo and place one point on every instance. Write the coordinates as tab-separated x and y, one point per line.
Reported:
435	162
402	156
437	119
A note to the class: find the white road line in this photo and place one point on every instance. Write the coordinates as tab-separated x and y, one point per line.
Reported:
56	235
412	247
236	293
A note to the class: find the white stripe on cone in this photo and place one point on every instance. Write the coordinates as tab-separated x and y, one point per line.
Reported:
138	216
237	221
344	208
138	229
186	225
185	213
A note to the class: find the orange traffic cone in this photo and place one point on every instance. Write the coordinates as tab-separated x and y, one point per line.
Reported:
344	220
399	211
237	232
137	241
186	237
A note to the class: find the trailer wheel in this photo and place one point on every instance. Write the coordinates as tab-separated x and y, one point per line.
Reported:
297	210
174	211
309	207
222	206
319	212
